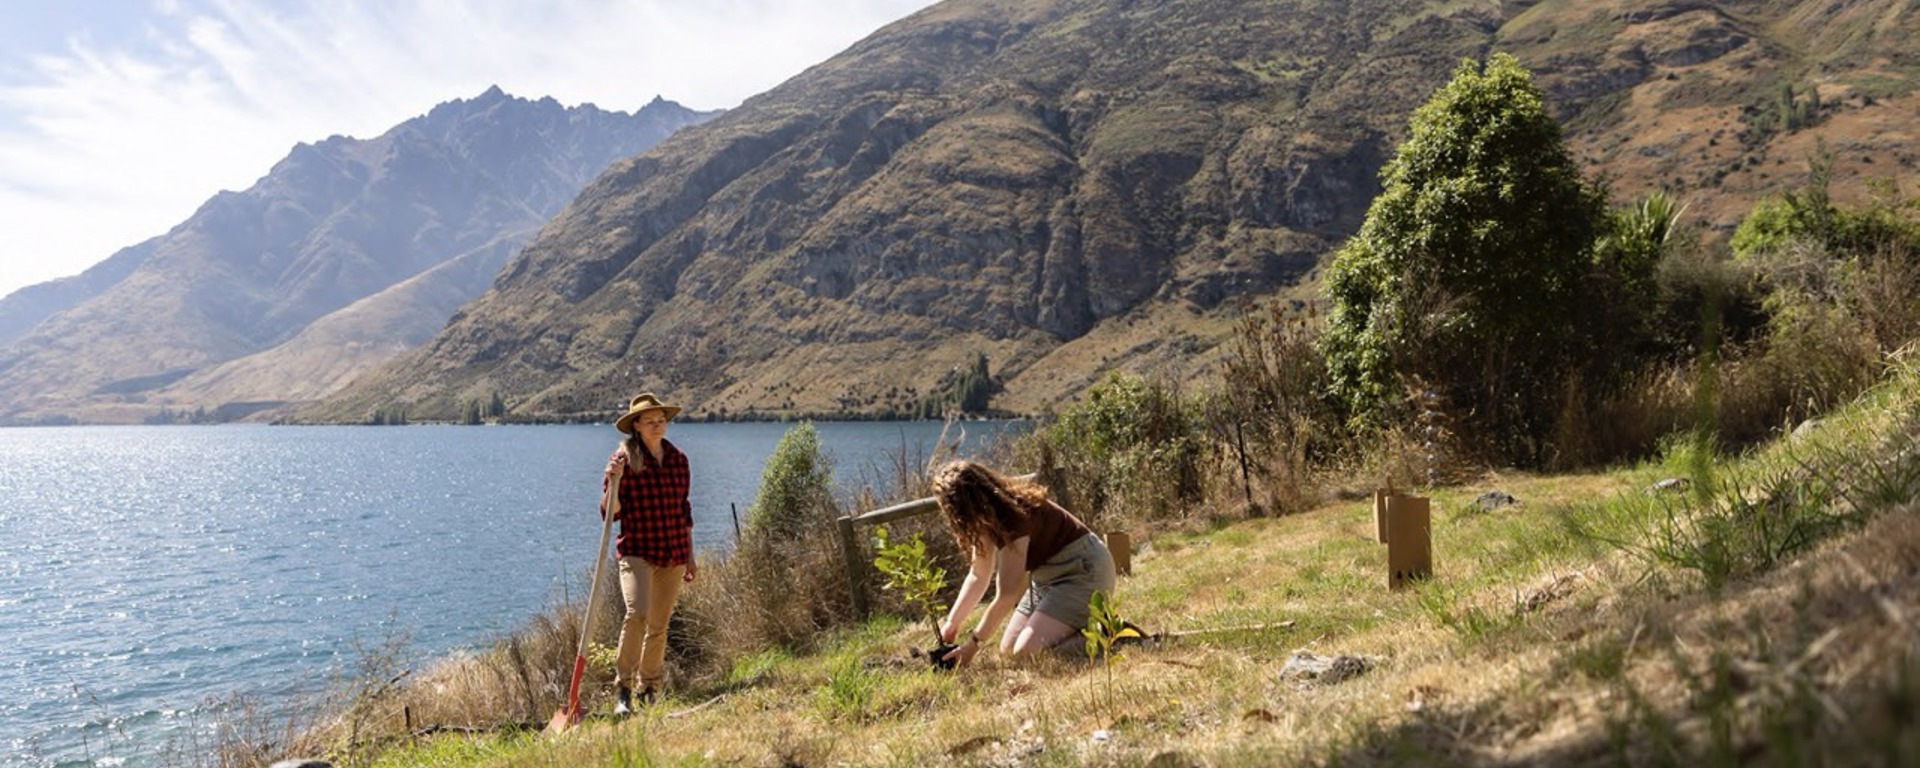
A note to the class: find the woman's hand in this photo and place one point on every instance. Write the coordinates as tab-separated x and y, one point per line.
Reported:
616	466
964	654
693	570
947	633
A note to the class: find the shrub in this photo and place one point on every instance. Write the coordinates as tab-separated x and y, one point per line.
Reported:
784	582
795	487
1841	289
1623	286
1131	444
1803	316
1271	413
764	595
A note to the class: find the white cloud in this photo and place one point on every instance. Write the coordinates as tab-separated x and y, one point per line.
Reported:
105	143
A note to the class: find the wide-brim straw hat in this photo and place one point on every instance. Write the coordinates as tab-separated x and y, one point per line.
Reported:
642	403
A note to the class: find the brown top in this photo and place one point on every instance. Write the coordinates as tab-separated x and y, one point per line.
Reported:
1052	529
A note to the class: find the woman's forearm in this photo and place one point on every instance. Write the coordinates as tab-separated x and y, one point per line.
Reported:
979	570
1005	599
1010	584
971	590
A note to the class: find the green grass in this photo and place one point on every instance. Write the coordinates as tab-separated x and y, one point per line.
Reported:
454	749
849	691
757	666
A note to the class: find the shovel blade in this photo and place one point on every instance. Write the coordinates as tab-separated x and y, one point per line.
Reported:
563	720
571	715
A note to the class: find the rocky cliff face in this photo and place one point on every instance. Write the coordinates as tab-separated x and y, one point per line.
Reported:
335	224
1073	186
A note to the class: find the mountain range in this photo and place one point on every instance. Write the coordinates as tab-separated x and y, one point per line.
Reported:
1062	187
344	254
1071	187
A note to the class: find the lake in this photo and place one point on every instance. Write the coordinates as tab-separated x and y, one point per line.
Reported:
149	573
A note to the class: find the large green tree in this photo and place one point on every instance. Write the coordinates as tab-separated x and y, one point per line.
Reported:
1467	274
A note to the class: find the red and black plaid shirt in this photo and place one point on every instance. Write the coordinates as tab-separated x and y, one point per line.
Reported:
656	520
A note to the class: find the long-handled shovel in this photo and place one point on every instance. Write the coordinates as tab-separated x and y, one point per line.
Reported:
572	715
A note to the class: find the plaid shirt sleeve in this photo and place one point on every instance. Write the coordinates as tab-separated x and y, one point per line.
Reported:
656	517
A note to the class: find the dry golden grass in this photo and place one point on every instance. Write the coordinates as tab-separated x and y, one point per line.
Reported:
1577	644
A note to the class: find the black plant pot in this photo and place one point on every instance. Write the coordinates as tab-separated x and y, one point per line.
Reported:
938	656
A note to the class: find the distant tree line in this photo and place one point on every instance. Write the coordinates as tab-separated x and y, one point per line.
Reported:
477	412
964	389
388	415
170	416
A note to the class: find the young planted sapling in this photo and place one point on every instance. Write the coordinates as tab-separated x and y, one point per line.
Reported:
1104	631
912	572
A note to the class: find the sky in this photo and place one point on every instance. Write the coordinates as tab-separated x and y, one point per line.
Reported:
118	118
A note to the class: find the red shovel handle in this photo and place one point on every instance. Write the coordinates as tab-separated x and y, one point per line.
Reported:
573	689
609	508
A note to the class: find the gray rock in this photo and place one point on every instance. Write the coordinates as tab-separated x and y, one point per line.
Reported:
1670	485
1805	428
1325	670
1492	500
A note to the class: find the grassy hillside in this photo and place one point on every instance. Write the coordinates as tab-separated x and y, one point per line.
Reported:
1763	614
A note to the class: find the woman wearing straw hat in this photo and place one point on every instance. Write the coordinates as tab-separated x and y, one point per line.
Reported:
655	543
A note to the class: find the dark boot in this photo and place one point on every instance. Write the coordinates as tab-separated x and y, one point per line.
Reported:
623	702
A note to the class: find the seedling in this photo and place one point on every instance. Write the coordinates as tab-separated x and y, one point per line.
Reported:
1105	629
912	573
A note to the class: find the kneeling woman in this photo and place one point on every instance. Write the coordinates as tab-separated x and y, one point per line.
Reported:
1046	564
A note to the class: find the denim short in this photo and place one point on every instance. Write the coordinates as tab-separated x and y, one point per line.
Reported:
1063	586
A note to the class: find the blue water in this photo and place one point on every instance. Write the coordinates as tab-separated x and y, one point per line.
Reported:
149	574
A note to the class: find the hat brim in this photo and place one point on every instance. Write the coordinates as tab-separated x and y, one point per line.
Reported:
625	424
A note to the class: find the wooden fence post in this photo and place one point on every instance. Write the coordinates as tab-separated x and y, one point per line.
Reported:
850	555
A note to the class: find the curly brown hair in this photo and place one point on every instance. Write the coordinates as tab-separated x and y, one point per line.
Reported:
982	506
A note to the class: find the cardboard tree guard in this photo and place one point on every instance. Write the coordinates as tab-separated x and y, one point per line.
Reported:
1409	536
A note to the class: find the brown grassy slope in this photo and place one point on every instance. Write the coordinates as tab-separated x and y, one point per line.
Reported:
1550	690
1693	72
1532	644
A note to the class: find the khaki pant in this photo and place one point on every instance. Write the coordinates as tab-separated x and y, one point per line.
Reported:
649	593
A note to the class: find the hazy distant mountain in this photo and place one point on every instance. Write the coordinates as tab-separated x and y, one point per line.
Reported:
331	351
338	226
1073	186
25	308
